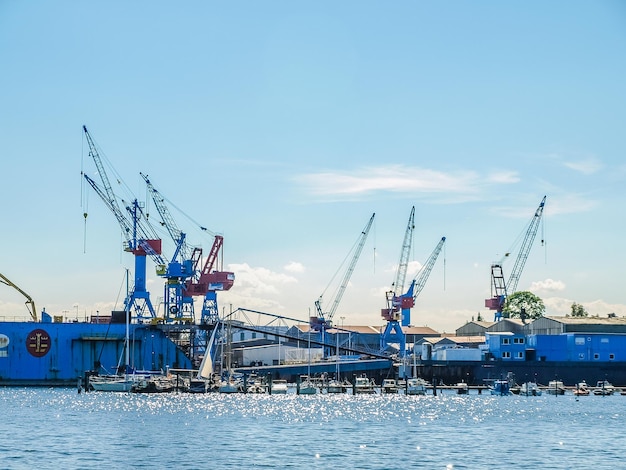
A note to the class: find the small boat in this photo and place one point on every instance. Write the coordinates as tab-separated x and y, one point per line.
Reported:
363	385
462	388
307	387
279	387
336	386
416	386
604	388
501	387
581	389
154	384
389	386
111	383
230	386
555	387
530	389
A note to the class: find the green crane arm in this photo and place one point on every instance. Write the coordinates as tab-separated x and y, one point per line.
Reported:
30	303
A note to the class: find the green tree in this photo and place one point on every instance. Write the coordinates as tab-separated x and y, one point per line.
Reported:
578	310
524	305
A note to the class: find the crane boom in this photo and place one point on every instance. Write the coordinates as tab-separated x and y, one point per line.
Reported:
399	307
168	221
404	255
501	289
323	321
422	276
525	248
30	303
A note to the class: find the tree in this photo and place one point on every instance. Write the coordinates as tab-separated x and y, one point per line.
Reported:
524	305
578	310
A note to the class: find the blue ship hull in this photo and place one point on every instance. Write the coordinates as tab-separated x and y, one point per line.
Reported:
58	354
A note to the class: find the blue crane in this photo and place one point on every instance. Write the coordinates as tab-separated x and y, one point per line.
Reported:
178	306
187	276
138	237
398	309
499	288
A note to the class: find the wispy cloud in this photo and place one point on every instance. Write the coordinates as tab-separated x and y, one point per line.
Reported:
400	179
587	166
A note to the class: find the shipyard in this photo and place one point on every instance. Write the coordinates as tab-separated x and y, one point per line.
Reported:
187	343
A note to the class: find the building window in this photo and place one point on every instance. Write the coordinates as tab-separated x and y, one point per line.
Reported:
596	356
253	335
506	341
518	340
579	341
242	336
506	354
520	355
611	357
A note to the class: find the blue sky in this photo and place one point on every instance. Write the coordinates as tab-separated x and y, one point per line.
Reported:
285	125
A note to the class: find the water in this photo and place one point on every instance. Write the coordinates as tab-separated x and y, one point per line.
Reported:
59	428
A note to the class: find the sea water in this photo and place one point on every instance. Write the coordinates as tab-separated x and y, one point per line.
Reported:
60	428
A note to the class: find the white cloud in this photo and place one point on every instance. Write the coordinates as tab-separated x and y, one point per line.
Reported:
560	306
547	285
587	167
395	179
294	267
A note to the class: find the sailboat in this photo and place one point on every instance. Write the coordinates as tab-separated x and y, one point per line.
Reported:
307	387
335	385
117	382
229	384
203	381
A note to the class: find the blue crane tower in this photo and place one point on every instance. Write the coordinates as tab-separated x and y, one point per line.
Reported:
499	288
323	320
140	238
178	306
398	311
187	276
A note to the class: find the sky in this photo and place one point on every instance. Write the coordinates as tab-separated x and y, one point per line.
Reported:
284	126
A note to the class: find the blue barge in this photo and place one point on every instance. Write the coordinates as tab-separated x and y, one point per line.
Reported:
58	354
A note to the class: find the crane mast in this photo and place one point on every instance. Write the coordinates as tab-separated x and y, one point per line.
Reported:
501	289
323	321
138	239
212	279
404	255
178	306
393	332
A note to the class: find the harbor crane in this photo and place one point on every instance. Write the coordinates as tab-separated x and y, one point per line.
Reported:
178	306
211	279
323	320
499	288
30	303
399	306
138	238
188	278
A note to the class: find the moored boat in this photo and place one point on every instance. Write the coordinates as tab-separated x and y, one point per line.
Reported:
279	387
604	388
307	386
462	388
416	386
363	385
555	387
581	389
389	386
501	387
529	389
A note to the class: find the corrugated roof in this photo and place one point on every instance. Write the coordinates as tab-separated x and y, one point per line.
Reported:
589	320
